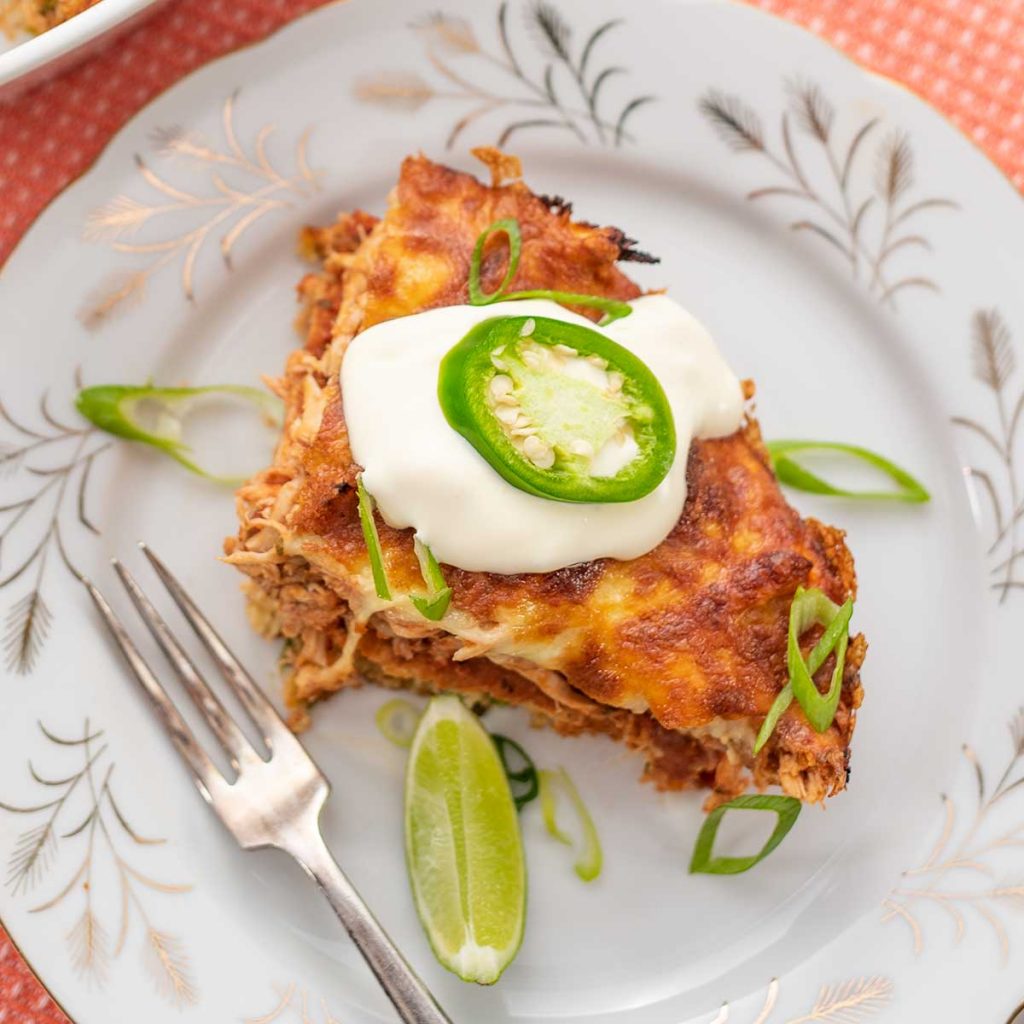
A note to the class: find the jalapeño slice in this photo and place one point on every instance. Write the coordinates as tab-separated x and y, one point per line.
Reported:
558	409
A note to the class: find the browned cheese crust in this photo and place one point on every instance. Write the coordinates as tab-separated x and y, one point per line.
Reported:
679	653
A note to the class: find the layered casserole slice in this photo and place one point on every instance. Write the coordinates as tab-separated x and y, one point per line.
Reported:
679	653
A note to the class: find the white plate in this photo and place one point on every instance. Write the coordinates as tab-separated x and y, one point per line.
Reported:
173	258
27	60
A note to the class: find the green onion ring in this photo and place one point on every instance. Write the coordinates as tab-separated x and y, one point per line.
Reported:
808	607
397	720
702	863
509	227
792	474
590	858
434	605
524	778
111	408
779	707
372	539
614	309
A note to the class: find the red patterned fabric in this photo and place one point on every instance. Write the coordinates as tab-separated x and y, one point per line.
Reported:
51	135
22	999
966	57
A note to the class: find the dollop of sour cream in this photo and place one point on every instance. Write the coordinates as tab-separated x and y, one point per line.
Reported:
424	475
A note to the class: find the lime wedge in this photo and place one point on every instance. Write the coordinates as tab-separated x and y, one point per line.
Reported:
462	844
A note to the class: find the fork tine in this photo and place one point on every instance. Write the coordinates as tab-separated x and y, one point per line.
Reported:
205	774
232	739
259	708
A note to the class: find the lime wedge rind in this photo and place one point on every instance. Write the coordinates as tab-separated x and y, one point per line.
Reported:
463	847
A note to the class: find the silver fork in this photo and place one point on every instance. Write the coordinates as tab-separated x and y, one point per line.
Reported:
271	803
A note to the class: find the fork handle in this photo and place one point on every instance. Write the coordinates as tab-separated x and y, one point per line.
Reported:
411	998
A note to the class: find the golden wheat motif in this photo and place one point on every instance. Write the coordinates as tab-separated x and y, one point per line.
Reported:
958	875
994	363
168	965
848	1002
47	467
242	187
871	224
80	811
558	86
294	1006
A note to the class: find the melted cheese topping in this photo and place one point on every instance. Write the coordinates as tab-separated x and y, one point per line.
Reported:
424	475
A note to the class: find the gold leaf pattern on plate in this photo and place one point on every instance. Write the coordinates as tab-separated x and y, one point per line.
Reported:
80	819
948	877
49	464
847	1002
560	87
242	187
994	364
294	1006
870	227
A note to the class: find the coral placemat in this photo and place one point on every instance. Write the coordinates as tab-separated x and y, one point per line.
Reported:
966	57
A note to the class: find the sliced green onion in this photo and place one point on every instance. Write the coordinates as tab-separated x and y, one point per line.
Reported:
702	863
113	408
779	707
614	309
435	603
520	769
547	807
810	607
397	720
432	575
791	473
509	227
432	608
589	861
370	536
439	594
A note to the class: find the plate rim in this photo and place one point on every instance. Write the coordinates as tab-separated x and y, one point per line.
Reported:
130	7
36	52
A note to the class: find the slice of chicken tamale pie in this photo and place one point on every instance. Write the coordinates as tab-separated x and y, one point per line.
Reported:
679	653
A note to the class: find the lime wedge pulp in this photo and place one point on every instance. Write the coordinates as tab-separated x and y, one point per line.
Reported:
462	844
